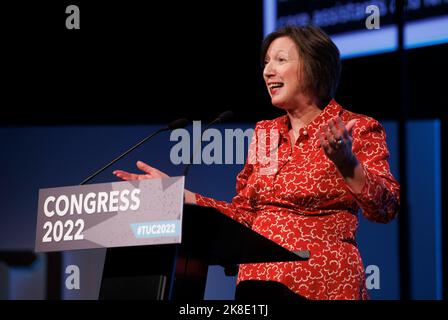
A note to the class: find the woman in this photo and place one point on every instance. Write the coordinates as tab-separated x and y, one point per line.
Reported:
329	163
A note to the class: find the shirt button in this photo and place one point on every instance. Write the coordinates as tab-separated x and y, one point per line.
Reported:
275	170
305	133
289	158
301	144
268	188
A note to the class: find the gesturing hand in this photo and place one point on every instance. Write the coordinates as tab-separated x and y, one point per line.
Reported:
336	139
151	173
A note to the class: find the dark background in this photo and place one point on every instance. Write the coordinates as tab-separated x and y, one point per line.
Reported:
146	62
132	61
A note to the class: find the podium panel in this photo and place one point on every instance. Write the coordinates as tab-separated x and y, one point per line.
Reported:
179	271
158	247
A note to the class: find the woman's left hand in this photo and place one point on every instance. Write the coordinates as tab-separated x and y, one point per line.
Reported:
336	139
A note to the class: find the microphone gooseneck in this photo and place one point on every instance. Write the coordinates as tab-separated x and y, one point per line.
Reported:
226	115
176	124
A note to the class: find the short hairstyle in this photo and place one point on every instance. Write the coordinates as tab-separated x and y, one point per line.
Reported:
319	56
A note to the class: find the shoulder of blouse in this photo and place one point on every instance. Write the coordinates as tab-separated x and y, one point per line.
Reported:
362	119
268	124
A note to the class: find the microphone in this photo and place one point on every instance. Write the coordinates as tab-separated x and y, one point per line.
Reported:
176	124
226	115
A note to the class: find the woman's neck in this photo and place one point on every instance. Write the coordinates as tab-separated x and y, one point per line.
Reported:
302	115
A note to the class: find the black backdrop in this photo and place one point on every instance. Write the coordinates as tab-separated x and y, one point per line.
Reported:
142	62
131	61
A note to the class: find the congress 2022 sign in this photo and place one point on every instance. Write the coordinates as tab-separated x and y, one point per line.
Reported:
106	215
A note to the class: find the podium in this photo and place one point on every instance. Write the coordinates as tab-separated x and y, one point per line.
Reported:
179	271
158	248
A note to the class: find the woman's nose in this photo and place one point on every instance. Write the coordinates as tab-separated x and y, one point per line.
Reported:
268	70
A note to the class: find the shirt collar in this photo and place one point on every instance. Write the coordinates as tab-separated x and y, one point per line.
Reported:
332	110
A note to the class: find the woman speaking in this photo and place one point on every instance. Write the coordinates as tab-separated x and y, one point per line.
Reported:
329	163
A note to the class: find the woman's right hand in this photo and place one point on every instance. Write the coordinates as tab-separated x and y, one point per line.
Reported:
150	173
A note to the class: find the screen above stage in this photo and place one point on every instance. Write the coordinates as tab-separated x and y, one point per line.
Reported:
426	23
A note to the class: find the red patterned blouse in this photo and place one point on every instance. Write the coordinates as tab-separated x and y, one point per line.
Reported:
299	200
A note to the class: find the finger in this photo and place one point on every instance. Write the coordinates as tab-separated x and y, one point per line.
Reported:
334	130
159	173
124	175
323	143
350	125
153	172
145	167
340	124
343	129
329	136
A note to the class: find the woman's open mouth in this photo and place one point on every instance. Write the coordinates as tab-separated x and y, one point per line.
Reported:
274	87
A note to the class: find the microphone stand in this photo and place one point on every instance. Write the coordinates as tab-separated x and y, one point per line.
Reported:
174	125
222	117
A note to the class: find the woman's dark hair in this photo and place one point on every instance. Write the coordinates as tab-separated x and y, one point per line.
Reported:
319	56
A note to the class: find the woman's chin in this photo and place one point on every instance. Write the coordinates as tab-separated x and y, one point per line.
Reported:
278	103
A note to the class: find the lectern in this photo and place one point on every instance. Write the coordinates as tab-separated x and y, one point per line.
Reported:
179	271
157	247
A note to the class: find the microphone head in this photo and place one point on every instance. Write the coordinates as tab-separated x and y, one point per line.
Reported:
179	123
226	115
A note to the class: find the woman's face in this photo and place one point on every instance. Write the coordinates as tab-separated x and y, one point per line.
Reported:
282	73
